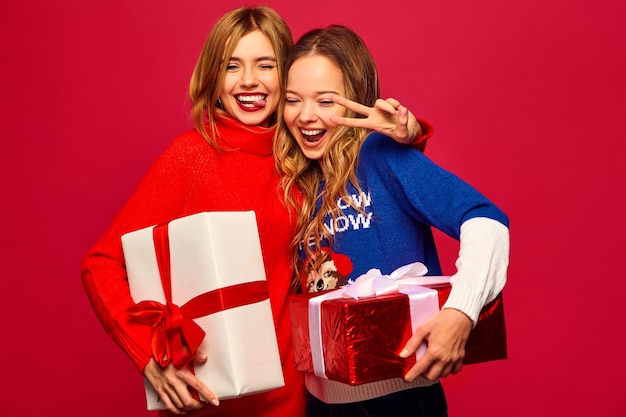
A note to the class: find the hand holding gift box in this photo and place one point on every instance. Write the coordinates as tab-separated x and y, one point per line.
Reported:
355	333
203	275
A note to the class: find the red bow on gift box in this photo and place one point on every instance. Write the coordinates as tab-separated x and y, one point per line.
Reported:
175	336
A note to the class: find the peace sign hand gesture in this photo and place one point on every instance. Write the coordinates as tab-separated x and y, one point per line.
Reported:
387	116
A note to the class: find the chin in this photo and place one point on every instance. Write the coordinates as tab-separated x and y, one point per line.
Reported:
315	156
254	120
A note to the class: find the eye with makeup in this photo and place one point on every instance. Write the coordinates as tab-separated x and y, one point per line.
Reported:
232	66
267	66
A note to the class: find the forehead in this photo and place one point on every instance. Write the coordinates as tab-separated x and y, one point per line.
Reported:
315	72
254	44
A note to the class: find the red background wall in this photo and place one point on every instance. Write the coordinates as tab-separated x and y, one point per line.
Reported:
528	102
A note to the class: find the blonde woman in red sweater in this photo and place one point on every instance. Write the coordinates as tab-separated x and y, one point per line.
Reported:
225	163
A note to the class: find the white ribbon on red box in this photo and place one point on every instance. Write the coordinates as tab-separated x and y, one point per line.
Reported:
408	279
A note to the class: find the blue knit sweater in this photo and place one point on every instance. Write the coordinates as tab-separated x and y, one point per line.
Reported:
404	195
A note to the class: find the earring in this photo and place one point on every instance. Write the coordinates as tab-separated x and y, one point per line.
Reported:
219	104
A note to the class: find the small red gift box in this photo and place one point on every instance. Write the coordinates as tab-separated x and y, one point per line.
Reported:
357	341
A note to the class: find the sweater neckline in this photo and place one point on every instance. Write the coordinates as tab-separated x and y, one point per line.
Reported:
238	136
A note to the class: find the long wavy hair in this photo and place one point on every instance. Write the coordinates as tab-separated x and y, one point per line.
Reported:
300	176
208	75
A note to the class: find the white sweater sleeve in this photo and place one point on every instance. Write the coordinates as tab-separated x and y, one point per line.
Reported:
481	266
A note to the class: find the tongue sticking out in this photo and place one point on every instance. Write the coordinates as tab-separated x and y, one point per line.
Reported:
259	103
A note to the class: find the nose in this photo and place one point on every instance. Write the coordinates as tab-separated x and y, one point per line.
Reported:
308	112
248	77
320	284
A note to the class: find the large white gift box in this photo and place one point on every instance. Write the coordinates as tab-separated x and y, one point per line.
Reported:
214	254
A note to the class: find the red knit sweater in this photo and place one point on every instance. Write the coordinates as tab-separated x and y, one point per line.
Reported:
190	177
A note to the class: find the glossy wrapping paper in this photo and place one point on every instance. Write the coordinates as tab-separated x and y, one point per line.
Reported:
199	282
361	338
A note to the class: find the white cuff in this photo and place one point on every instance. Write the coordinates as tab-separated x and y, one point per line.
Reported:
481	266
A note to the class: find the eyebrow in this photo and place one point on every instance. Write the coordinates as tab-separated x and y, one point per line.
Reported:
317	92
261	58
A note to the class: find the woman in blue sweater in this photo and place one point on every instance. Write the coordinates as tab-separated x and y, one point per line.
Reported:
366	202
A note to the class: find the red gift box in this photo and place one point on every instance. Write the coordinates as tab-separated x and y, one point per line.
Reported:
357	341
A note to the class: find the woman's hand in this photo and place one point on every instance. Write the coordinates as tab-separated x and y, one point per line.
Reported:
445	334
387	116
172	385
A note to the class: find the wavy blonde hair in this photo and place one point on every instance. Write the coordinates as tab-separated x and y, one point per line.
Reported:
300	176
208	75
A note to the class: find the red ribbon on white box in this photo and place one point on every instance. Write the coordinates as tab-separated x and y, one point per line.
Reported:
408	279
175	335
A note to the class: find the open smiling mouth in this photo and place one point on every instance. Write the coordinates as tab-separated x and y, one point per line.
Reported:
252	101
312	136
